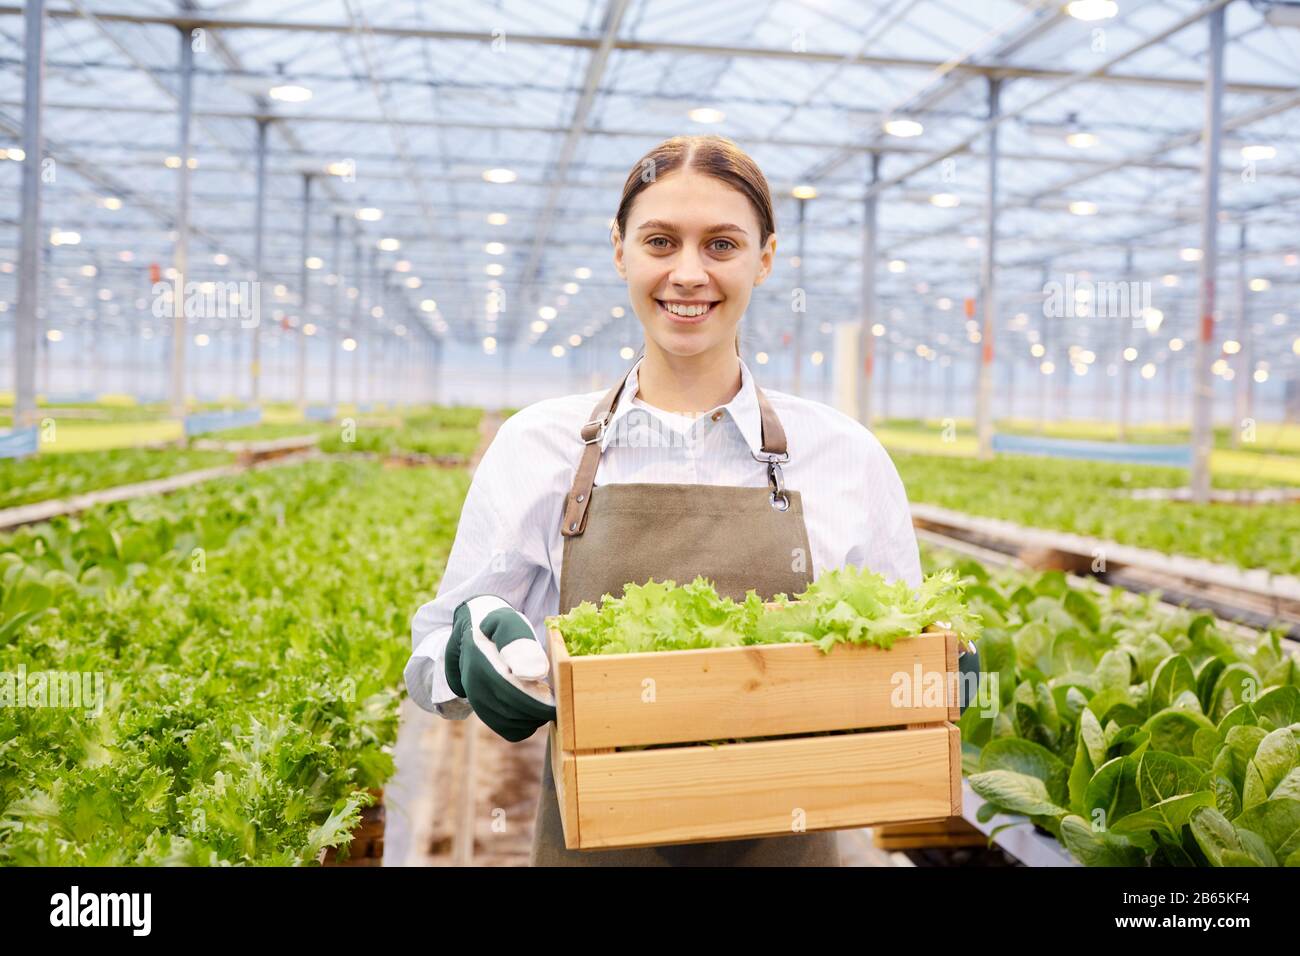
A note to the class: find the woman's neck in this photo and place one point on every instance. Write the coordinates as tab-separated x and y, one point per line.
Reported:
695	383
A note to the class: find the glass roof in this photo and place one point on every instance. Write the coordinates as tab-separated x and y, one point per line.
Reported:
1099	176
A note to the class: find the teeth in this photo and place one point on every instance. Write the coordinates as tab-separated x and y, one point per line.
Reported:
685	310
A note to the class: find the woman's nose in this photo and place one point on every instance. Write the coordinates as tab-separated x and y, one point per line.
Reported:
688	269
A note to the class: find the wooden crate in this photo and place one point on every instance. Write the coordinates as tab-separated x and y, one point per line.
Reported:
899	764
951	833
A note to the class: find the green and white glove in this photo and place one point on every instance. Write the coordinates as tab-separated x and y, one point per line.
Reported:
494	661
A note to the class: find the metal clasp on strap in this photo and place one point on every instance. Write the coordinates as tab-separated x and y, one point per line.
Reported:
600	430
775	479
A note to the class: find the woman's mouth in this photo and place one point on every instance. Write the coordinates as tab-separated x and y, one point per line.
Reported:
686	313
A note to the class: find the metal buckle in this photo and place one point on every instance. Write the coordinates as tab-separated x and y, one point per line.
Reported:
775	479
600	432
776	482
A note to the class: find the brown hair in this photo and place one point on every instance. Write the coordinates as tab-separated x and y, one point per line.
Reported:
711	155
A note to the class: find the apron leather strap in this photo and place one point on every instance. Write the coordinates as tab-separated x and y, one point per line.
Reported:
575	505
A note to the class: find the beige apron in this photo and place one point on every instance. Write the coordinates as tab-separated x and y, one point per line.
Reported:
740	538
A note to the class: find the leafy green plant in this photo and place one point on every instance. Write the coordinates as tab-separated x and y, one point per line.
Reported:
1031	492
454	443
846	605
1132	734
251	702
42	477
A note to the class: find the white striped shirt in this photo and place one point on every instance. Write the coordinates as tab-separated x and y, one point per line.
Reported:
509	544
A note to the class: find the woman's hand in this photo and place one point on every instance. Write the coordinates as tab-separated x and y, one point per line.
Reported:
494	661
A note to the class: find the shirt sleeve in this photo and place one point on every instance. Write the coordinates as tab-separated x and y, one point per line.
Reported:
895	552
499	549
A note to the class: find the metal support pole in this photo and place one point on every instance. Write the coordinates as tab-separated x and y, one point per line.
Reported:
376	299
797	380
1169	386
1243	394
1202	379
984	391
1042	379
1125	376
29	263
336	319
259	228
437	371
44	322
356	323
96	357
1009	404
182	248
304	296
867	340
887	370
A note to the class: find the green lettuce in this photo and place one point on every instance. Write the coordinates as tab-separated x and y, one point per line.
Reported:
846	605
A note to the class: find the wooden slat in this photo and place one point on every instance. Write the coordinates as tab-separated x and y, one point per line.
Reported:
562	686
954	771
564	770
950	654
952	832
693	793
751	691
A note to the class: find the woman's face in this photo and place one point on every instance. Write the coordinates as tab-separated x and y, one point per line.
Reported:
692	246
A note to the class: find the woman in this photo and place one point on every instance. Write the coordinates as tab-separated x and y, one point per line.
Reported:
685	467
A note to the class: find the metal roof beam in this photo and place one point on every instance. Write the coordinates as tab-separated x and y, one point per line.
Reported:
1001	71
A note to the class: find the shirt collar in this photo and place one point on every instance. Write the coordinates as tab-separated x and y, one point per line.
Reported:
743	408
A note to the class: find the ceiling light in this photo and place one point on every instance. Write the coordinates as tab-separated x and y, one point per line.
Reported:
705	114
903	128
1090	10
1258	152
290	93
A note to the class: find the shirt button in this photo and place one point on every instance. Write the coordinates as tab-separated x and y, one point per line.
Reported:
716	416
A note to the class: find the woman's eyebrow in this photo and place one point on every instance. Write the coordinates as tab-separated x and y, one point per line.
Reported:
672	227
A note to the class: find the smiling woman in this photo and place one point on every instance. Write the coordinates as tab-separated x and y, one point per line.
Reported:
686	468
692	253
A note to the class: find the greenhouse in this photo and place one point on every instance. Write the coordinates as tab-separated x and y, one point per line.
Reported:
636	433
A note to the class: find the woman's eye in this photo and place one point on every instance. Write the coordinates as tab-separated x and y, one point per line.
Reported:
727	245
662	239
